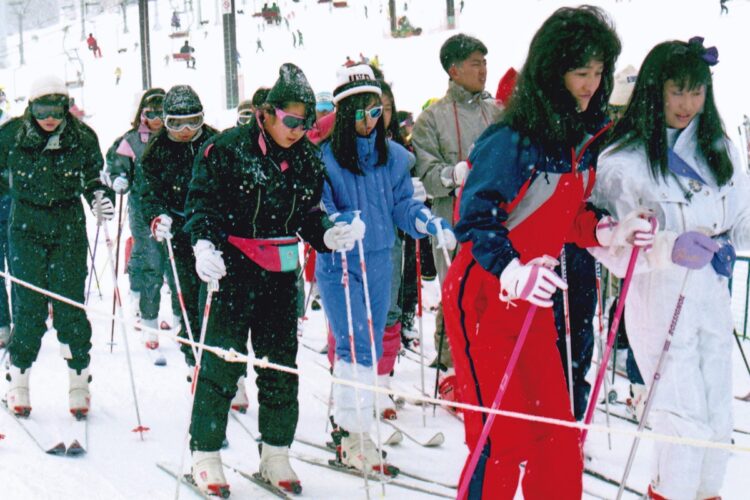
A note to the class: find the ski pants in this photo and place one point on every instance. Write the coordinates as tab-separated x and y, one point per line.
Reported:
581	276
190	285
265	303
4	212
328	272
55	261
483	332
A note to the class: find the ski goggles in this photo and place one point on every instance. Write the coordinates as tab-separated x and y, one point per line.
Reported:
42	111
176	123
324	107
292	122
244	116
153	114
373	113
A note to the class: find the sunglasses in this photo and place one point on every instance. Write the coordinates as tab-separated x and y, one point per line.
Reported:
244	116
373	113
176	123
325	106
292	122
42	111
153	114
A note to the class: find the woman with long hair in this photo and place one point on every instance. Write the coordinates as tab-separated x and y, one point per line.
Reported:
671	155
525	197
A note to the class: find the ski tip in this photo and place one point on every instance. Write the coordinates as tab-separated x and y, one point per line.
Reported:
436	440
75	449
160	361
58	449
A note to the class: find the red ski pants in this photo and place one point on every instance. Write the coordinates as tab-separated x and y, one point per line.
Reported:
482	333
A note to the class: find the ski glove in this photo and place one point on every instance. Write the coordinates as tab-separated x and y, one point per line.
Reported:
693	250
208	261
534	282
427	223
352	218
161	227
724	259
103	208
120	184
637	229
420	194
454	176
339	237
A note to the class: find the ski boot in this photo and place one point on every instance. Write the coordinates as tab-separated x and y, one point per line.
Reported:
17	397
385	401
208	473
240	401
150	337
79	397
276	469
4	336
636	403
354	452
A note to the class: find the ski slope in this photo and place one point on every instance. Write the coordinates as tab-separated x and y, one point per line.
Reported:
121	465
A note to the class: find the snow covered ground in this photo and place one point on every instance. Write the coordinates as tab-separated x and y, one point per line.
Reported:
121	465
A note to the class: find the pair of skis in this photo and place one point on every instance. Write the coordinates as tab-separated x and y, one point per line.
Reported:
75	445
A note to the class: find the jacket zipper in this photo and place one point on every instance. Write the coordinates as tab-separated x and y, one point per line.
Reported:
294	204
255	215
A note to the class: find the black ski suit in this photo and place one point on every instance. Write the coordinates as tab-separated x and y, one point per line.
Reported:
45	175
167	166
246	186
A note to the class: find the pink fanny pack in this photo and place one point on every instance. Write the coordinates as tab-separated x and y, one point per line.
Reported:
272	254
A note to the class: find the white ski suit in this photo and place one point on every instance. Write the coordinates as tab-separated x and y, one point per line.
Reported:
694	396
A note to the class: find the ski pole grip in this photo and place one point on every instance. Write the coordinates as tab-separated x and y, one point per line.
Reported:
213	286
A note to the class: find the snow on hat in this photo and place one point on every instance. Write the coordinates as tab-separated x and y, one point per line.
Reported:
291	86
47	85
624	85
182	100
355	79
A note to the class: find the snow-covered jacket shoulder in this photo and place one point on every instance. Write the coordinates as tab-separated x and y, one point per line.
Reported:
245	186
625	183
383	193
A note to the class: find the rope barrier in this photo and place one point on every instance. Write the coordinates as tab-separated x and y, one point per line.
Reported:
232	356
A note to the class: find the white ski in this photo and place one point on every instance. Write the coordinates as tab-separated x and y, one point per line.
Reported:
258	480
38	434
78	434
427	438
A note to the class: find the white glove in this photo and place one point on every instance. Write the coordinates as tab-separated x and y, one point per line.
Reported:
635	229
103	208
420	194
340	237
161	227
427	223
534	282
352	218
208	261
460	171
120	185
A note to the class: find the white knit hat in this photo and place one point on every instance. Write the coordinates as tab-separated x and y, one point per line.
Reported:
624	85
47	85
357	79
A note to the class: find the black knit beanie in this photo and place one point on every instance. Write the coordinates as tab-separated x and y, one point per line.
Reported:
291	86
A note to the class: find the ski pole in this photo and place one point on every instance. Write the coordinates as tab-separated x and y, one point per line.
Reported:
421	330
117	268
654	383
350	326
93	274
477	451
211	288
181	299
566	310
600	299
610	341
443	247
140	429
373	354
742	351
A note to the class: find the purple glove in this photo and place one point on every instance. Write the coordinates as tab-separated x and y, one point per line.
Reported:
693	250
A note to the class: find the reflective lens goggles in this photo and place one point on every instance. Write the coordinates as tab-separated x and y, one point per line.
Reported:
42	111
244	116
153	114
176	123
324	107
373	113
292	122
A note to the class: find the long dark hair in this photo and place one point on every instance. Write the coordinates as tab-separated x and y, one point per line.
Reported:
344	135
644	121
392	130
541	107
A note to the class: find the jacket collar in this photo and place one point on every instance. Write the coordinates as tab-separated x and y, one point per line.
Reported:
460	95
366	149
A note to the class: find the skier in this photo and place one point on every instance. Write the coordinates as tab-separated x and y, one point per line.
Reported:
670	153
367	173
294	39
300	40
48	159
522	200
147	265
118	75
175	21
187	49
443	136
259	46
266	162
166	168
5	318
724	9
93	45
